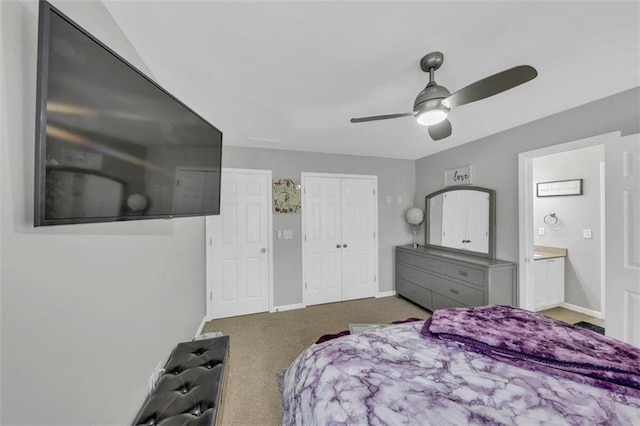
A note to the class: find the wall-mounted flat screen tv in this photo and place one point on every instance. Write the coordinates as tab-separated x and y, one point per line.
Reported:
111	144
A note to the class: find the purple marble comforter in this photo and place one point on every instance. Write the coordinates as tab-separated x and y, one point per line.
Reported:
394	375
534	341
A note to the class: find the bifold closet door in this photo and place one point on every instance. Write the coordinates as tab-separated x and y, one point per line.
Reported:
323	245
358	204
339	219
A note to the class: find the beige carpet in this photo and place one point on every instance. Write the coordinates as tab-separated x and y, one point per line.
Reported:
263	344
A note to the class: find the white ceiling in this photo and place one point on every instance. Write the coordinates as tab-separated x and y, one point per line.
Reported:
290	75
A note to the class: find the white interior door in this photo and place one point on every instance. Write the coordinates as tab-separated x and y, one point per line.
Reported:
622	194
323	245
358	238
239	256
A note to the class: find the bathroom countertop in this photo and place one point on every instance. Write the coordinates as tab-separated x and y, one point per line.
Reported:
545	252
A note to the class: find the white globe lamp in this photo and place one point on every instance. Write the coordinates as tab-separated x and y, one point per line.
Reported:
415	217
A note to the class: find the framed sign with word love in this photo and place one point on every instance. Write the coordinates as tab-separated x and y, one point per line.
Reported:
458	176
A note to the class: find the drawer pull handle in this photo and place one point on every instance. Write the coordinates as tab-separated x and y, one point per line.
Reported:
454	291
463	273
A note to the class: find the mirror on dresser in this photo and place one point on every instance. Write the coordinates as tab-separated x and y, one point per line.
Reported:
461	219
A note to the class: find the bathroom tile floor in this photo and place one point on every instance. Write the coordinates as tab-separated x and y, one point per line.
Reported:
571	317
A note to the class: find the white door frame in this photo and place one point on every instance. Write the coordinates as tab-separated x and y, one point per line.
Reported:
305	175
209	238
525	204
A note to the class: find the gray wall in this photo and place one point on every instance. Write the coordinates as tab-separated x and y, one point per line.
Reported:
395	178
575	213
495	158
87	311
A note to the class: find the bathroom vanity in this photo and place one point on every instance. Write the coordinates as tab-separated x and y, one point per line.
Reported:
548	277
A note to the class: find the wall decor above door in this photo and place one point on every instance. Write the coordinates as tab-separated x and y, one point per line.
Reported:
558	188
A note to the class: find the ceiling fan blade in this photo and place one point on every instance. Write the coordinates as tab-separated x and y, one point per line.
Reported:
381	117
491	85
440	130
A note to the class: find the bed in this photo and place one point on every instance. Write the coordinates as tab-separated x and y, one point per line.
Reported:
487	365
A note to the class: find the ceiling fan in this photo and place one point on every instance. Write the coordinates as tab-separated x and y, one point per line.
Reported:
432	105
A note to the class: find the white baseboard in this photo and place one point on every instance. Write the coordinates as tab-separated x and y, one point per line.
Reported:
385	293
287	307
204	321
582	310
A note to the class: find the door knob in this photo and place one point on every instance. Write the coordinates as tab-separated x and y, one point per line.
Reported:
263	250
338	246
344	246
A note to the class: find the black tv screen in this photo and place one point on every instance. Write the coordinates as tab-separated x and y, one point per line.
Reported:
111	144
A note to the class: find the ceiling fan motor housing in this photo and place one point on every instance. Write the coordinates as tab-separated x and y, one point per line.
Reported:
430	98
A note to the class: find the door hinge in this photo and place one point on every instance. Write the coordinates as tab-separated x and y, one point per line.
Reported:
210	241
374	235
305	285
375	278
305	238
374	192
210	295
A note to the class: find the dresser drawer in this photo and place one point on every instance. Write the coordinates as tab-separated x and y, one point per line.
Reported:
460	293
421	261
466	273
441	302
412	292
435	265
410	258
416	276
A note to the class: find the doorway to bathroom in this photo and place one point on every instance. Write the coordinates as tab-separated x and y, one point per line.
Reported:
562	227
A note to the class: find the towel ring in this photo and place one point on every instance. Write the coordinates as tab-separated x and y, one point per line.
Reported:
551	219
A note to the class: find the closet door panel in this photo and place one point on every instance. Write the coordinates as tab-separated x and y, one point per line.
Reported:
358	227
323	262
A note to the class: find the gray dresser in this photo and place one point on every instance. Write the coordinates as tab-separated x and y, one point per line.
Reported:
439	279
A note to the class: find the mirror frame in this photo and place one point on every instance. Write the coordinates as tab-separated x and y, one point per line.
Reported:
492	221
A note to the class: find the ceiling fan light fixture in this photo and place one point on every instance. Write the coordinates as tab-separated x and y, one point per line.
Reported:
432	105
431	117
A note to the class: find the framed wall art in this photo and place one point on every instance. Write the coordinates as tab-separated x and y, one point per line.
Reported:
458	176
559	187
286	196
